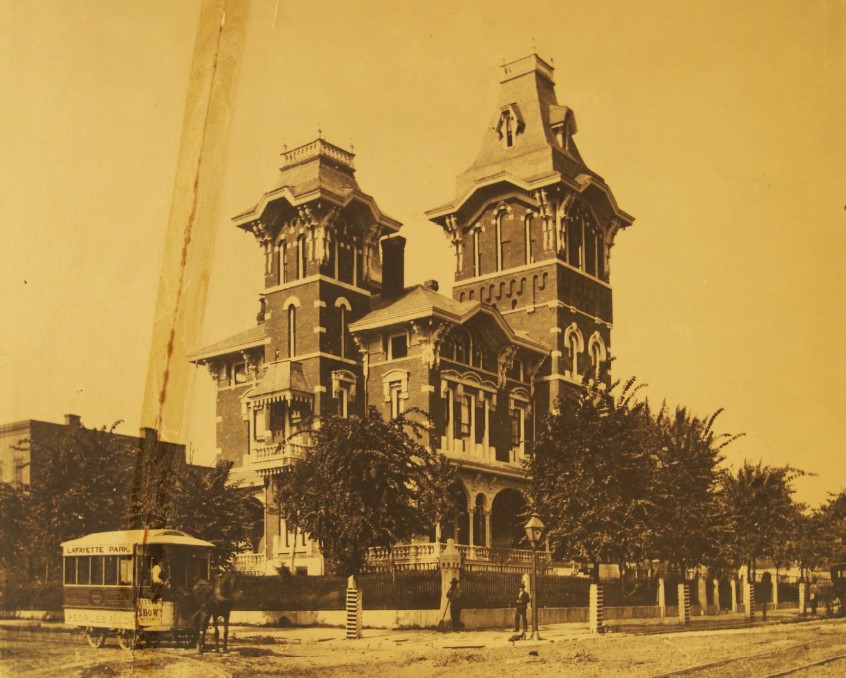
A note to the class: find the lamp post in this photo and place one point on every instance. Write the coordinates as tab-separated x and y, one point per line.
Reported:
534	529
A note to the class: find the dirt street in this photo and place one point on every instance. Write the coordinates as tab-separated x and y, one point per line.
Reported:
812	648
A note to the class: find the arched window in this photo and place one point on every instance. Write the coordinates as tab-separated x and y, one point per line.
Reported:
301	257
499	218
292	331
597	352
574	344
282	263
342	315
574	355
477	253
527	239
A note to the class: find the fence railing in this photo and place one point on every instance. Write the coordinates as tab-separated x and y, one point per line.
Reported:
249	563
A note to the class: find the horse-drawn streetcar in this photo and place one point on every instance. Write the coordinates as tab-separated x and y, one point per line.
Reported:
133	584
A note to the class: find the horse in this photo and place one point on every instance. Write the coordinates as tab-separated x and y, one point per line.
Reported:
213	601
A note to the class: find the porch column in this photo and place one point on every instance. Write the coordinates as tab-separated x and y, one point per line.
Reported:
486	437
488	541
471	512
438	532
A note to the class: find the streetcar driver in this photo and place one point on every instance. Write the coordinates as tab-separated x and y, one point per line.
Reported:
159	577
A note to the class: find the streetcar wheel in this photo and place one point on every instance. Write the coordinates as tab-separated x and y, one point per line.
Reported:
95	637
128	639
182	639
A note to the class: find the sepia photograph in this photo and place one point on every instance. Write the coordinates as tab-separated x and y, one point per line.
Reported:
423	338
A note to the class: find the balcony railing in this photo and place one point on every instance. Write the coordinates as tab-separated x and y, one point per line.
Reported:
420	554
267	458
315	149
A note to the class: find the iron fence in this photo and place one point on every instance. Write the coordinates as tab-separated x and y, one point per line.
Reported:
418	589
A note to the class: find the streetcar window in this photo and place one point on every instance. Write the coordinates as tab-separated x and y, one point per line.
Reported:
97	570
83	570
111	571
145	565
70	570
125	570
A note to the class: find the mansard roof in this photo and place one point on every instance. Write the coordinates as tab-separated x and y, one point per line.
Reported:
529	143
420	302
251	338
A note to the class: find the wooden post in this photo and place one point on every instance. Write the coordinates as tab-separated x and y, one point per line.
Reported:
450	564
774	596
702	594
803	598
733	583
715	587
662	598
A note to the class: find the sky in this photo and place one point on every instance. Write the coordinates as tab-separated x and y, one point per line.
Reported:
717	124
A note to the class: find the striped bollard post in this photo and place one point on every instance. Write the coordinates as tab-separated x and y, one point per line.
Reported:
684	603
596	609
749	598
353	607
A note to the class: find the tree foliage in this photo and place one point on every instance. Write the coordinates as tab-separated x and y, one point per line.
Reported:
13	527
363	482
688	520
205	504
591	475
760	510
79	488
93	480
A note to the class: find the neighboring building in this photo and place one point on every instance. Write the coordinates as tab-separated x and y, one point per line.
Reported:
23	442
338	331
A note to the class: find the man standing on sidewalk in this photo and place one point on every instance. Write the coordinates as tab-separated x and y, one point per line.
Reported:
454	596
520	612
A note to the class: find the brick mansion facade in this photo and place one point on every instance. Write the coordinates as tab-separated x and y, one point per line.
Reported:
530	316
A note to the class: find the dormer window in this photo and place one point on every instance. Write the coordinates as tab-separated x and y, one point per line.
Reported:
509	124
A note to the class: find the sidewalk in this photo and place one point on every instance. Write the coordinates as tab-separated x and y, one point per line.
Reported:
472	639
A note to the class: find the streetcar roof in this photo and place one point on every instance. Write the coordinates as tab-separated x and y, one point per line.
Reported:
121	540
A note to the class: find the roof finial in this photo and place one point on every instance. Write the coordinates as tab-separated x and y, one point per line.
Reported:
534	46
319	133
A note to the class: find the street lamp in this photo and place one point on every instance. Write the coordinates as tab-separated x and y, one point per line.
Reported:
534	529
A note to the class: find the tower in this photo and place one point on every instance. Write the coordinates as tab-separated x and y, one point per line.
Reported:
532	228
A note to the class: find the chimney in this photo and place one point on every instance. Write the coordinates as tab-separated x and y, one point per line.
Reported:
73	420
393	266
149	436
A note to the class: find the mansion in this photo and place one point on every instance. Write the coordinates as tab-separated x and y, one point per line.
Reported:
338	331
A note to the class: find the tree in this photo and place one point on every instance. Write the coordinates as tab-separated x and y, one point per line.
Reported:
688	517
13	529
591	474
831	528
79	487
760	510
363	482
205	504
